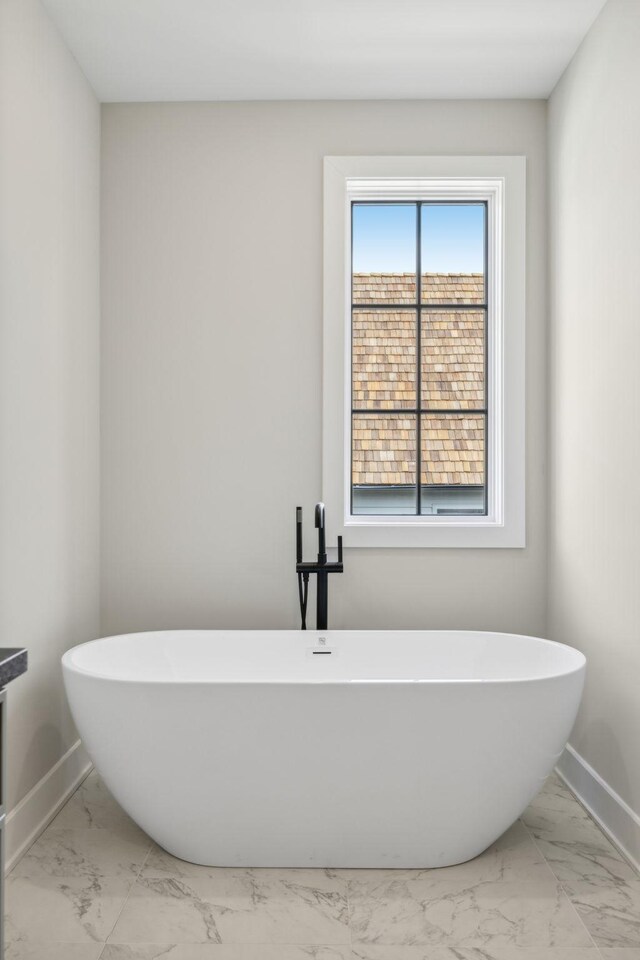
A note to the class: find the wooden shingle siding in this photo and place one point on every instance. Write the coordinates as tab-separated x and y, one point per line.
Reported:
401	288
384	287
453	360
384	359
452	288
452	450
384	372
384	449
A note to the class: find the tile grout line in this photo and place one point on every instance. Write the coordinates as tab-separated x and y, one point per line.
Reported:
126	899
348	887
538	850
577	913
561	885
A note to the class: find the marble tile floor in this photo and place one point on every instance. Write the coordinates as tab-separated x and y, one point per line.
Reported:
95	887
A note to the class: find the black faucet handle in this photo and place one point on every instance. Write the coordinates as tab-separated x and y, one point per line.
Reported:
339	549
322	549
298	534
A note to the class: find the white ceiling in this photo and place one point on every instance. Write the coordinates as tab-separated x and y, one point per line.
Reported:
322	49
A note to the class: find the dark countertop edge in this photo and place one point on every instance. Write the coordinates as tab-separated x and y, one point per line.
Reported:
13	663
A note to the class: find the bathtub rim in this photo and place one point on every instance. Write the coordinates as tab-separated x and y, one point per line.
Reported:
69	665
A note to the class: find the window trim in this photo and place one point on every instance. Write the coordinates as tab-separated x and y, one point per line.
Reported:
501	182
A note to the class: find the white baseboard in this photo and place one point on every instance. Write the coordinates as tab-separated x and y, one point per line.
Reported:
37	809
608	809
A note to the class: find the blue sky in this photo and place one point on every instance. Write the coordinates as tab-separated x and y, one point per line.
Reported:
384	238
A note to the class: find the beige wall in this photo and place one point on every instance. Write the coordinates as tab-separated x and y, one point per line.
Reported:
49	374
211	366
594	583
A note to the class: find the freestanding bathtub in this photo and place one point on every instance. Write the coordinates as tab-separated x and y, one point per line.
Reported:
346	749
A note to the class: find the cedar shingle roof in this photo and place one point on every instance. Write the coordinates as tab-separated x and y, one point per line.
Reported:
452	378
401	287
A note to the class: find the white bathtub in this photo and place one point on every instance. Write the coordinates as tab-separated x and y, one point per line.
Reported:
370	749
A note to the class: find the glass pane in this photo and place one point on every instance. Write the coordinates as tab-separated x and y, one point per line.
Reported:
453	359
384	359
383	464
384	253
453	464
452	252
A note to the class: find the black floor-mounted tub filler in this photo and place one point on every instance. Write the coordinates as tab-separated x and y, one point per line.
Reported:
321	567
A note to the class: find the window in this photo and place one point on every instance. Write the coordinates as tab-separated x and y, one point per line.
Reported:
418	358
424	350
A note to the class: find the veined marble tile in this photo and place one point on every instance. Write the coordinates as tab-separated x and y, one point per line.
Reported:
52	951
228	908
563	817
371	952
222	951
92	806
610	913
465	914
68	909
575	826
87	852
555	805
555	786
161	864
596	861
621	953
573	821
514	856
574	846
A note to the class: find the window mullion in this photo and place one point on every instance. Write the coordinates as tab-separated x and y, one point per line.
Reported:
486	294
418	359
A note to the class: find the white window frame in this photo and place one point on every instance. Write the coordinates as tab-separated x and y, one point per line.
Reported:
501	182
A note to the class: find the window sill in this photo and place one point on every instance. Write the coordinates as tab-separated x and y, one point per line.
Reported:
482	533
